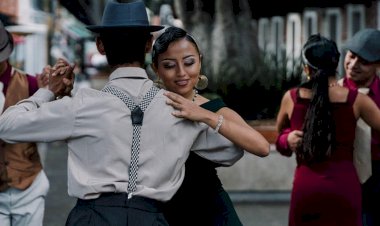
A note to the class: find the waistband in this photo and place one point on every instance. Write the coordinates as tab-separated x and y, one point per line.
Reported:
121	200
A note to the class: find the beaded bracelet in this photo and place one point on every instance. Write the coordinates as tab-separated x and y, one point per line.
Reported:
220	121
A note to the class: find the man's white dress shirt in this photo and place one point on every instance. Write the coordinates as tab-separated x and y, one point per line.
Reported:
98	130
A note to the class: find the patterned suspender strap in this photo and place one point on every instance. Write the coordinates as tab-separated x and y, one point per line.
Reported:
137	115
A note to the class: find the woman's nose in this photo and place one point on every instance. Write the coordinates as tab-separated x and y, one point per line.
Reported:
181	71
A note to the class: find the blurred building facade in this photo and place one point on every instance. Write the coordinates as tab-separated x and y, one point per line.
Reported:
282	32
28	21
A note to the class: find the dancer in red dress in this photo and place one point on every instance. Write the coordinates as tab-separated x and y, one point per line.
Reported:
326	189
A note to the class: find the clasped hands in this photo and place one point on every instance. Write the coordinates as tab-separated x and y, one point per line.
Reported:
59	79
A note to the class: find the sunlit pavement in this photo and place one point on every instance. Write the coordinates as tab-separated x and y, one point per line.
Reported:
254	209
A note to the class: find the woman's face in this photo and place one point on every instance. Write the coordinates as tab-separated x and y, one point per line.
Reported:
179	67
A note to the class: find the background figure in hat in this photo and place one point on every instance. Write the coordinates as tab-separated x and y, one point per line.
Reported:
127	150
326	188
361	64
23	183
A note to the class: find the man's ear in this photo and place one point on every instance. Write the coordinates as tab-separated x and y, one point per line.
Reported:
148	45
100	46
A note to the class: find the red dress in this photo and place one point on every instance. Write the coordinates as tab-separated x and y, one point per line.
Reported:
327	193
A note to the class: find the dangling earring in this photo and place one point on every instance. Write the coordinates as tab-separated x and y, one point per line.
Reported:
308	77
202	82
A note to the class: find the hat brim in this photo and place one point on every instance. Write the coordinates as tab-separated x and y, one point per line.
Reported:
7	51
362	53
98	29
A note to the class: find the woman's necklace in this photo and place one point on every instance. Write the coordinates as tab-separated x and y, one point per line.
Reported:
195	94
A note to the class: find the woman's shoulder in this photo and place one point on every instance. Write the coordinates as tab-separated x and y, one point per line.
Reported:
340	94
213	105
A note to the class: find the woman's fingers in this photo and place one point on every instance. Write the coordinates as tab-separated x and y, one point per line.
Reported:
174	104
173	96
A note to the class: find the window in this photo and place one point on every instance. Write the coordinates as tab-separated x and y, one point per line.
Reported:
333	30
293	42
263	37
355	19
333	25
276	47
310	24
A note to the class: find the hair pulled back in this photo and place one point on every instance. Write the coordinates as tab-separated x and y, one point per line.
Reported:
322	57
170	35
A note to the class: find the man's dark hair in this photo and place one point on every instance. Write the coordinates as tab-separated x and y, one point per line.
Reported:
127	46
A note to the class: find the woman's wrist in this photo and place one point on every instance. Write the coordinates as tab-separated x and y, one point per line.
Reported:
219	124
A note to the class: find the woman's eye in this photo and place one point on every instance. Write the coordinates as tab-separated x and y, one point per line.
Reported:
189	62
169	65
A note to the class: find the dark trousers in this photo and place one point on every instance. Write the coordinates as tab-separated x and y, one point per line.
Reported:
115	209
371	197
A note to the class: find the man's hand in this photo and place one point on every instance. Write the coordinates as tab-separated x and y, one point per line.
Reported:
43	77
61	78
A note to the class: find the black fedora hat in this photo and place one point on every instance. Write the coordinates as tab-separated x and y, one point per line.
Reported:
124	16
6	43
366	44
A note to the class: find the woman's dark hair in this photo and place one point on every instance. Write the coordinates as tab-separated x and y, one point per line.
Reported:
322	57
125	46
170	35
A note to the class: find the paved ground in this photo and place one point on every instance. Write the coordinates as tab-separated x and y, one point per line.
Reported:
254	209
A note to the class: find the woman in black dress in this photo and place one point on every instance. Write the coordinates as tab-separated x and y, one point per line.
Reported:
201	199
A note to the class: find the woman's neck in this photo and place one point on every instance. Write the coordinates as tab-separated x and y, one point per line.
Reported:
332	82
192	95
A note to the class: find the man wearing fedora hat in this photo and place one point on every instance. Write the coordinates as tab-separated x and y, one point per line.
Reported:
23	183
362	65
126	150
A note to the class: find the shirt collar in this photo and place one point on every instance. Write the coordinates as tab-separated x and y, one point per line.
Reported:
128	72
374	87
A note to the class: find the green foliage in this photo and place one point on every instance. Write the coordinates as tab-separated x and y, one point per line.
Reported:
257	94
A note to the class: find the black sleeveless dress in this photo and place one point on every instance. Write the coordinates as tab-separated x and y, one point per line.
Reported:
201	199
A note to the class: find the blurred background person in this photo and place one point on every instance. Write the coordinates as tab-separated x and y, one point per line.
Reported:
23	183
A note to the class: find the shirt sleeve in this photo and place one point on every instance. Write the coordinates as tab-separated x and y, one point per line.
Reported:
282	143
216	148
39	118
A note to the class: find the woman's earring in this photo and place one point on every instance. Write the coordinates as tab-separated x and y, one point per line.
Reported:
308	77
202	82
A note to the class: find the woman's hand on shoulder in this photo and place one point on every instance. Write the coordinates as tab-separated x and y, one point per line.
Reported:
185	108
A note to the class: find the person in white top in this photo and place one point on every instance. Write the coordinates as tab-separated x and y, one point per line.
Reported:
114	183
